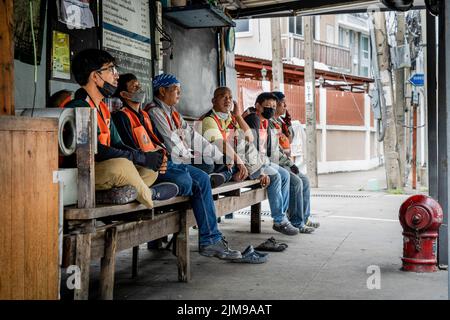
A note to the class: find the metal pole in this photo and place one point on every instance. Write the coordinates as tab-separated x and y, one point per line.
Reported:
431	90
414	149
444	129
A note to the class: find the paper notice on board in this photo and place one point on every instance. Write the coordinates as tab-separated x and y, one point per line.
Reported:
76	14
61	56
309	92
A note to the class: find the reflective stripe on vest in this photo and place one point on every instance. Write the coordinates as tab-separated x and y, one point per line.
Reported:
103	122
225	134
140	133
176	119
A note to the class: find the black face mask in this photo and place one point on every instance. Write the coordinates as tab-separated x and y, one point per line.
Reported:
268	113
107	90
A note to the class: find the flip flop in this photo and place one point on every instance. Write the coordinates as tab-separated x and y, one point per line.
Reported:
250	255
272	245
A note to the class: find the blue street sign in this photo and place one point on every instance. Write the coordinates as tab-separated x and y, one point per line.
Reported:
417	80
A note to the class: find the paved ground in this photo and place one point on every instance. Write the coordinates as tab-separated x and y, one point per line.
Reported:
359	229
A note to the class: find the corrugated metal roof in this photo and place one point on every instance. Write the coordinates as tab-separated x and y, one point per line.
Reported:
266	8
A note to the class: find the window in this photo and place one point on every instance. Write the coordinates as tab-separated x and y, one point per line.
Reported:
365	56
344	38
242	25
330	33
296	25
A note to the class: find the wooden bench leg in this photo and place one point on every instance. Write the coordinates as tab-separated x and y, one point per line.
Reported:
182	250
135	266
108	264
83	261
255	224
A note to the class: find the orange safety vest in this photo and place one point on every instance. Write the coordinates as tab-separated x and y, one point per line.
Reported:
284	141
176	119
103	122
225	133
142	134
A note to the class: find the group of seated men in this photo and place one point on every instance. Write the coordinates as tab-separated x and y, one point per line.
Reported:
153	149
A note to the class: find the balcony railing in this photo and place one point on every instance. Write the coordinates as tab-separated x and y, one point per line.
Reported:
332	55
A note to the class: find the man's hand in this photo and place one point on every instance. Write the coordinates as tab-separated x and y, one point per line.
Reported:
163	168
152	160
237	111
265	180
243	172
295	169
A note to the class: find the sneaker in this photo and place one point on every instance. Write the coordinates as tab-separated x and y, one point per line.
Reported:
216	179
285	228
306	229
220	250
312	224
164	191
119	195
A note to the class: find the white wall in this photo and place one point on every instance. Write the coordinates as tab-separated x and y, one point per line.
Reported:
256	42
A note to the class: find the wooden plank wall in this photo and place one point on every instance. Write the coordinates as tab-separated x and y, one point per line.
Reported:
29	262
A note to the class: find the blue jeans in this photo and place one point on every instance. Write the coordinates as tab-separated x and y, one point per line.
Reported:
299	203
217	168
277	191
195	183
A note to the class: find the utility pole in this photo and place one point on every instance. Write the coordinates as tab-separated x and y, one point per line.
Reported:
310	104
390	140
400	99
277	58
6	58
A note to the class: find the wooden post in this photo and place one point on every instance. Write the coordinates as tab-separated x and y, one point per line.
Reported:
83	261
108	264
85	118
277	62
182	249
255	218
310	103
6	58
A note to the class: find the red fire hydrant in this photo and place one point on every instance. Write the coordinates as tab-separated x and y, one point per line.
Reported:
420	217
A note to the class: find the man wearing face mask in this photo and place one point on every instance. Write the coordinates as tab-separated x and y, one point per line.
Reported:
278	194
300	191
117	165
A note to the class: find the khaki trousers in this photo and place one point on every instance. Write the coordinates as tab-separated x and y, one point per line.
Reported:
120	172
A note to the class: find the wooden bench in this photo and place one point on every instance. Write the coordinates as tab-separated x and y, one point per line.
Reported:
99	232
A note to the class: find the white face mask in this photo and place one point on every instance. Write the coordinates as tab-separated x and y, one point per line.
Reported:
222	115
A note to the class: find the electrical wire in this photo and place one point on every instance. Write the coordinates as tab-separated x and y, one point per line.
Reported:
35	57
353	96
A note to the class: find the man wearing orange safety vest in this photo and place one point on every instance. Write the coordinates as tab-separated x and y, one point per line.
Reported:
300	191
116	165
136	128
221	127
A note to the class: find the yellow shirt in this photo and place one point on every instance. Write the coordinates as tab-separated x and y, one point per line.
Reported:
211	130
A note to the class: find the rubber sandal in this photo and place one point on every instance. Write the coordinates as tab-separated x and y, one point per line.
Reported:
250	255
272	245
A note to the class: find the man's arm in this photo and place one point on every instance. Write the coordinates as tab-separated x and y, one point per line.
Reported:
175	146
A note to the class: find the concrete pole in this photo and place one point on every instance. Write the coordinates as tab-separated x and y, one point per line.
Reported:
277	57
6	58
390	140
400	99
310	104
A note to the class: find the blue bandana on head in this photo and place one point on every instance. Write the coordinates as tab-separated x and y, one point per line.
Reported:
163	81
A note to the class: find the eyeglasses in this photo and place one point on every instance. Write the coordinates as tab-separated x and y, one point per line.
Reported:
112	69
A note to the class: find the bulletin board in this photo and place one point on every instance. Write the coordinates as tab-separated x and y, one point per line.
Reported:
72	27
126	35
